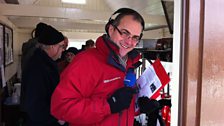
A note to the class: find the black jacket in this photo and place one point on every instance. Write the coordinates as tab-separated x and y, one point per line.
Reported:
39	79
28	49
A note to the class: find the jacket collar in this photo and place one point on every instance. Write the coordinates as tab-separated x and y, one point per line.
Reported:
45	58
111	50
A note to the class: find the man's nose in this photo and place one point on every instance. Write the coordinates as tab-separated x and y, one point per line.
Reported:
129	39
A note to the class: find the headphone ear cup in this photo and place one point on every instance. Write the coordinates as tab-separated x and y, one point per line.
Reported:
108	24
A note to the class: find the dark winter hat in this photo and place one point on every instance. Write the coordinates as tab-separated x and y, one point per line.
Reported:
72	50
90	42
39	29
50	36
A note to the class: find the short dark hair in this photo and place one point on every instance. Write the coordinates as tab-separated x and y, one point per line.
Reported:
136	16
120	13
73	50
89	42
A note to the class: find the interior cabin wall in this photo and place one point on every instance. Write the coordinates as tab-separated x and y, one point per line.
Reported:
22	35
11	69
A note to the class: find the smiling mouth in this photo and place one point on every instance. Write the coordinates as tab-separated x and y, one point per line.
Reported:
124	46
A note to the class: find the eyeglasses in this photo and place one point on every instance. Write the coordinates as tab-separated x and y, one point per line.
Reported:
62	46
125	34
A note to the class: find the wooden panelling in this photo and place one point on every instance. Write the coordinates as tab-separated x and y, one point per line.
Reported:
192	47
213	65
203	63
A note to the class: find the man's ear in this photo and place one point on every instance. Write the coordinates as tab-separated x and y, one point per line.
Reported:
110	29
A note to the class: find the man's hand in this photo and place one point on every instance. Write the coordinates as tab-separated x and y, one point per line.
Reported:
147	105
121	99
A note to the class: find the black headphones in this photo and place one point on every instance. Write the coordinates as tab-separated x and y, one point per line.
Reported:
122	12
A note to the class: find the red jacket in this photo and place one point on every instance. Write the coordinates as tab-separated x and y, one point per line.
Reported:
81	96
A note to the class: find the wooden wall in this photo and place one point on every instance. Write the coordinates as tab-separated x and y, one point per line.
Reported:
203	64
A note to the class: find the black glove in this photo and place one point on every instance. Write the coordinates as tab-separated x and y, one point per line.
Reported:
121	99
164	102
147	105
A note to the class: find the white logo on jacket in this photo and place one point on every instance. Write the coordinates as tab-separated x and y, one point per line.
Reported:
113	79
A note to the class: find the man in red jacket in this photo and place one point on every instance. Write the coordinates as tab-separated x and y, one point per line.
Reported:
91	91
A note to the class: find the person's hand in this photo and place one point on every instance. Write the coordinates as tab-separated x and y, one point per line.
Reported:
165	102
147	105
121	99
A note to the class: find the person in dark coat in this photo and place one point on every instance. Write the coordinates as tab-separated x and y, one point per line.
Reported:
40	77
69	54
30	46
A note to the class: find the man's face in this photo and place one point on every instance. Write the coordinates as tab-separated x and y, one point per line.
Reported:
57	50
69	57
126	34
